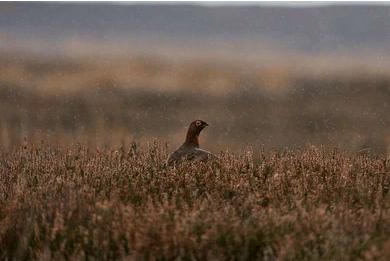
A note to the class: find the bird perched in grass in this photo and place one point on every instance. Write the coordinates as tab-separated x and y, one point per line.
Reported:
190	149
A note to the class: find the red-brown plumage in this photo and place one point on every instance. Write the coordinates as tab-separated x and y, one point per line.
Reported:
192	137
190	149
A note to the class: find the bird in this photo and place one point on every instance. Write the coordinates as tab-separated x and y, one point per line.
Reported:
190	150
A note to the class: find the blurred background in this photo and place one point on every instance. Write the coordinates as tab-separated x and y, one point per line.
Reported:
262	75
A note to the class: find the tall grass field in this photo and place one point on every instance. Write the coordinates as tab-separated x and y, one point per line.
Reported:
77	203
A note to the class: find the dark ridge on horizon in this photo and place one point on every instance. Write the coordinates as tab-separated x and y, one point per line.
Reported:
322	28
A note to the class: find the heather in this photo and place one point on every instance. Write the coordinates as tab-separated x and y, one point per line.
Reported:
124	203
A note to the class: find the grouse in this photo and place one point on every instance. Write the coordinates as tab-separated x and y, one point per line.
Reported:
190	149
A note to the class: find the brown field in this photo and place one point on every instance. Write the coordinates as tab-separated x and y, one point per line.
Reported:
303	174
101	101
83	204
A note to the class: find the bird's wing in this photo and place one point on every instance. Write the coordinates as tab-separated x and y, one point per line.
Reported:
175	157
178	155
200	155
185	153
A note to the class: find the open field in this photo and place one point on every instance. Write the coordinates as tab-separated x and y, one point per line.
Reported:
73	186
75	203
94	97
105	101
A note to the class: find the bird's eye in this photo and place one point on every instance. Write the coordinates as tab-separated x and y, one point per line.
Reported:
198	123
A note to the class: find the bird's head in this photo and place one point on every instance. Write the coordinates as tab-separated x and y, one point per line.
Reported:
197	126
194	130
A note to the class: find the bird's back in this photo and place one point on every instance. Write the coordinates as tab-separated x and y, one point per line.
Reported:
190	153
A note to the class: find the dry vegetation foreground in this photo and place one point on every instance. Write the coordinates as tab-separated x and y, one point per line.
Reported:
78	204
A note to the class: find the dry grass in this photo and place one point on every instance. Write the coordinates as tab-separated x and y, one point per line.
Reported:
75	203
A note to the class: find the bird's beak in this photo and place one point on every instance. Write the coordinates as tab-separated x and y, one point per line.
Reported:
205	124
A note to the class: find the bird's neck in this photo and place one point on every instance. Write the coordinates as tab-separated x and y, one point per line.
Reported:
192	139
